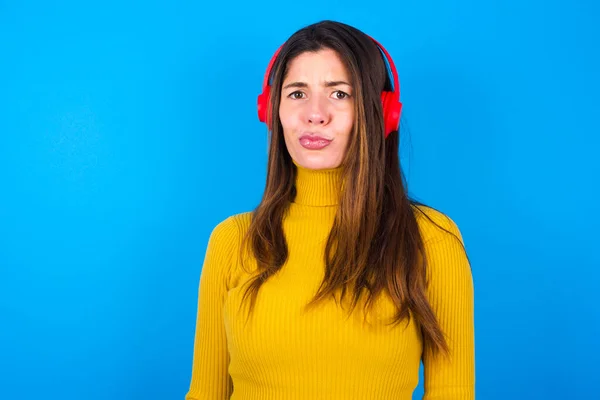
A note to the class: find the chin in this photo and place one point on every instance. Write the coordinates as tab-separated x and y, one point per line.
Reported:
317	162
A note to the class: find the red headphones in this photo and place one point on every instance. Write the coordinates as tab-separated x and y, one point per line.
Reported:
392	107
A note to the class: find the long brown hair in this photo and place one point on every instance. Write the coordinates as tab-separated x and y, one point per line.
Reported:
374	245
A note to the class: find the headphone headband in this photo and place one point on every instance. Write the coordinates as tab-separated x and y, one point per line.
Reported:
396	89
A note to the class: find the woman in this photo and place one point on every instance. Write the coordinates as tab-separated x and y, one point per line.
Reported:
337	285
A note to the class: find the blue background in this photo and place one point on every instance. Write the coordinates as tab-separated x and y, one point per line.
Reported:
128	130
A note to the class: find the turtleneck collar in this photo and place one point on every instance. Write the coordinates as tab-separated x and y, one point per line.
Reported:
317	187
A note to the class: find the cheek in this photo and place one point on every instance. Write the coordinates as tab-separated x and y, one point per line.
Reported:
286	117
347	122
345	130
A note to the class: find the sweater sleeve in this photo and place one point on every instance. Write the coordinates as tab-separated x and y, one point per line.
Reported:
210	379
451	297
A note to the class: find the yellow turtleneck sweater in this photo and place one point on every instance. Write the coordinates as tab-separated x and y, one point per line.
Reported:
285	353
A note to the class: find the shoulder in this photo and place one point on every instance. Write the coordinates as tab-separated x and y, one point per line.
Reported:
229	231
435	225
223	245
447	261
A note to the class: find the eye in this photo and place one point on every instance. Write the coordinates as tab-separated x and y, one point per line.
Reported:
296	95
340	95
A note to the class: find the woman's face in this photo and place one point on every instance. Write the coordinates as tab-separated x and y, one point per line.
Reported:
317	109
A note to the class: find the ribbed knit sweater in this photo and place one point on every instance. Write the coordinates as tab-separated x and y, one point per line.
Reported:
284	352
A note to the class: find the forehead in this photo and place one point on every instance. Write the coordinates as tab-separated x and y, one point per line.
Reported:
324	64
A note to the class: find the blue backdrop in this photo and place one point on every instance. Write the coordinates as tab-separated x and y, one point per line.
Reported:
128	130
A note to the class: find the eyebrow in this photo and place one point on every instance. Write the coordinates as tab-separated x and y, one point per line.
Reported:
327	84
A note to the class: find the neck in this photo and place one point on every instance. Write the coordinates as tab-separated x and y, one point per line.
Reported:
317	187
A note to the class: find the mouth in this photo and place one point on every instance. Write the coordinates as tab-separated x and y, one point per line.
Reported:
314	142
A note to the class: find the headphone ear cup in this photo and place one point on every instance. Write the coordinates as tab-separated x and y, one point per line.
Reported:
263	104
391	112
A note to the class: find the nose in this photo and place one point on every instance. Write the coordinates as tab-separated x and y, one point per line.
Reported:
318	113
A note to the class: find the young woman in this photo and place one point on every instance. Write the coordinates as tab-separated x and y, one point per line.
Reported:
337	285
